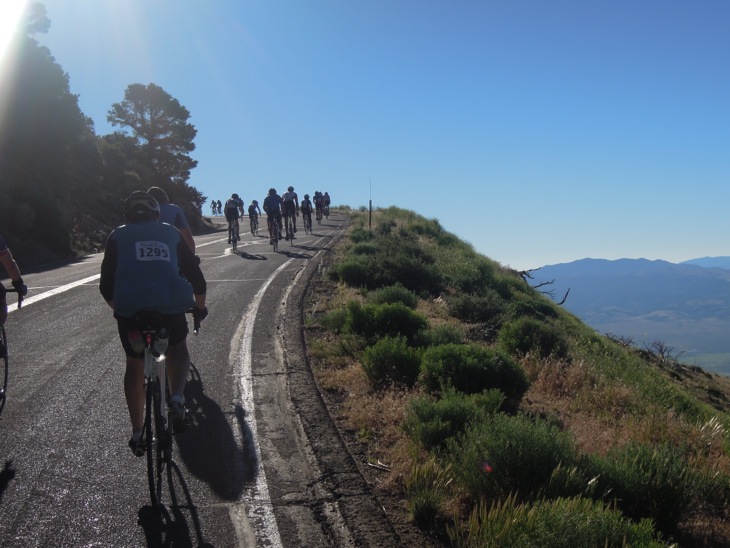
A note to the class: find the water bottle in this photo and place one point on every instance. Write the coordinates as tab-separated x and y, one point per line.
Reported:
161	341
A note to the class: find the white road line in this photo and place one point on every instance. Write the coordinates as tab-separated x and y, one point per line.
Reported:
261	510
60	289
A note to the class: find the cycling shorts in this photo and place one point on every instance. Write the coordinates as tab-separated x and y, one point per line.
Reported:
176	324
289	207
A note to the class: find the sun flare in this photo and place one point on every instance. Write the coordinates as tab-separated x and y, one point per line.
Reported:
11	12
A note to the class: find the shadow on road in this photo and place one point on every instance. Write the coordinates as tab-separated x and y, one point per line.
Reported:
245	255
6	476
168	525
209	449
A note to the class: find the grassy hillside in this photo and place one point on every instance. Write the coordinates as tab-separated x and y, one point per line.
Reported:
486	415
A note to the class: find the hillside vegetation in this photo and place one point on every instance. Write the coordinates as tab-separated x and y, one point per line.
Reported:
484	414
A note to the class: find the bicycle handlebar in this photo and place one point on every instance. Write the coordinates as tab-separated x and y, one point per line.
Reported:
13	290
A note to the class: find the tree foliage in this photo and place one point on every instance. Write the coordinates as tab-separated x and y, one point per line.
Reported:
61	185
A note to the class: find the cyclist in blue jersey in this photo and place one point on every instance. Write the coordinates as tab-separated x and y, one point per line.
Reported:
173	214
272	207
147	266
11	267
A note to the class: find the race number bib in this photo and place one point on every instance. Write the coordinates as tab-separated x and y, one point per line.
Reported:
152	251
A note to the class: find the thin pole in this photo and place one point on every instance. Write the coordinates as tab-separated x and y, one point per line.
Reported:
370	209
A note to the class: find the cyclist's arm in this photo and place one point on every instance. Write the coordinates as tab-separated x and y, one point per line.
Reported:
11	267
108	271
191	270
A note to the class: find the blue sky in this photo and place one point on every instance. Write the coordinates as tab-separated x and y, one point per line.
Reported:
539	131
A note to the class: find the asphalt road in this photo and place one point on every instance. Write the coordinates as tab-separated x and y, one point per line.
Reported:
262	466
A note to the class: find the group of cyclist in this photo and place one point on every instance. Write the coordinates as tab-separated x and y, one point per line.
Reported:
279	210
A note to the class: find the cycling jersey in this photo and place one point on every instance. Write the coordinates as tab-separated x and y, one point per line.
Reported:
306	205
142	268
253	210
173	214
272	204
231	209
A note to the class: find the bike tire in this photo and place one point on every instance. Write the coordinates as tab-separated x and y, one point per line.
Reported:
163	445
4	360
149	433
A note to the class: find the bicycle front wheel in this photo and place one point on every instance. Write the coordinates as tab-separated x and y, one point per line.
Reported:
159	441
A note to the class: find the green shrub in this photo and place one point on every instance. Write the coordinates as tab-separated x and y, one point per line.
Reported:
471	368
383	320
393	294
352	271
521	453
391	360
431	422
551	524
364	248
487	307
359	234
646	482
334	320
426	488
438	335
528	335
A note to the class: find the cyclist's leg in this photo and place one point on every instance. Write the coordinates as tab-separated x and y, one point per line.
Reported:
238	235
134	392
178	368
230	230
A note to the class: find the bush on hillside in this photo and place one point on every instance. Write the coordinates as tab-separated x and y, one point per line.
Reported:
528	335
391	360
470	308
551	524
393	294
646	482
430	422
471	368
439	335
383	320
509	454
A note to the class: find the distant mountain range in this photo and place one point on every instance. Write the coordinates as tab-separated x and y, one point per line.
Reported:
686	306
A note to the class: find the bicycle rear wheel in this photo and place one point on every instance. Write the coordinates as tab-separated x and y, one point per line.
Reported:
4	364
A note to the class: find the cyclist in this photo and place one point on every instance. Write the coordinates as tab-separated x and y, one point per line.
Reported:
233	211
272	207
326	203
318	203
306	207
253	212
291	209
141	271
173	214
11	267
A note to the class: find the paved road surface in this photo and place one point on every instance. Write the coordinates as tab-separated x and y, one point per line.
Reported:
263	465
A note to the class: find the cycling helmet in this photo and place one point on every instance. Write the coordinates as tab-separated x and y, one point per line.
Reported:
255	202
140	206
158	194
306	196
290	189
272	191
234	196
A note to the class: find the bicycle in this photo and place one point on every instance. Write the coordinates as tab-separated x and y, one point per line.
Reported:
289	222
4	351
274	232
157	431
254	222
233	234
327	211
319	215
307	220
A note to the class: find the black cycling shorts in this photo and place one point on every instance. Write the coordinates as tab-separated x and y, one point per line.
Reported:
289	207
176	324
